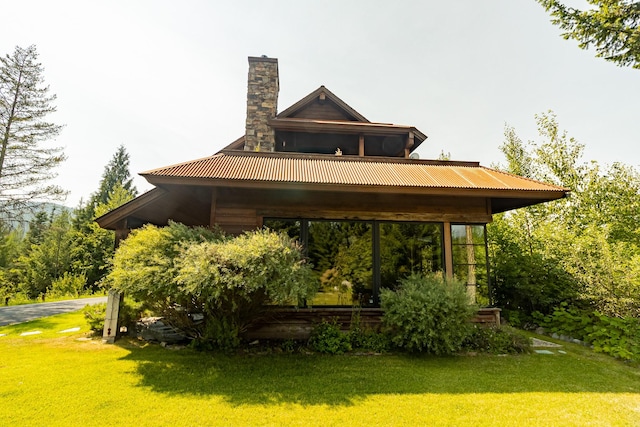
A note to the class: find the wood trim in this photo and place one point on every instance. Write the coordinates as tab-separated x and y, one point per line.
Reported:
448	250
361	145
110	219
335	126
214	203
372	216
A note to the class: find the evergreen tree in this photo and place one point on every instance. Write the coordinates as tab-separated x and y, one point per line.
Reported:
116	174
611	27
26	163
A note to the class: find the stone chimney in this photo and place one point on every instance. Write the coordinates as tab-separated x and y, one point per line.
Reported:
262	103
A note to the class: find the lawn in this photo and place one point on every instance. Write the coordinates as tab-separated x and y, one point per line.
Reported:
55	379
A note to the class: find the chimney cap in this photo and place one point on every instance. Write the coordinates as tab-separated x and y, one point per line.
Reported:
263	58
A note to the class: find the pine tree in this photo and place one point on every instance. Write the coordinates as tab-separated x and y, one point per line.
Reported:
26	164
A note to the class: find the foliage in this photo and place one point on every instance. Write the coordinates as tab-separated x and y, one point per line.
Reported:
116	175
428	314
68	285
327	337
144	265
496	340
26	164
179	270
367	338
93	246
233	280
618	337
584	249
47	260
129	313
95	316
612	28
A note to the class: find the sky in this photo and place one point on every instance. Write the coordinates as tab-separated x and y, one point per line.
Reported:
168	79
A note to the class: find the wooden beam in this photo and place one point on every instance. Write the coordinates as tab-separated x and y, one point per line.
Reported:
361	145
448	251
370	216
214	203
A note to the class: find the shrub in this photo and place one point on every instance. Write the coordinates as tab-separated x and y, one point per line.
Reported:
95	316
129	313
615	336
427	314
326	337
496	340
179	271
618	337
144	265
369	340
69	285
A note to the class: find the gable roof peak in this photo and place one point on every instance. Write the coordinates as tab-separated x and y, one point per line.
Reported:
323	98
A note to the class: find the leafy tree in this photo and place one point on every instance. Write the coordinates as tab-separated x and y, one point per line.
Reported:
26	164
611	27
581	250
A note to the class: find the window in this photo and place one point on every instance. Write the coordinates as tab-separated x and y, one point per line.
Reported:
407	248
470	260
341	254
353	259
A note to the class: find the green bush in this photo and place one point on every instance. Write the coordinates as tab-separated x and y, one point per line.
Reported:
179	271
326	337
69	285
129	313
566	320
369	340
95	315
496	340
618	337
428	314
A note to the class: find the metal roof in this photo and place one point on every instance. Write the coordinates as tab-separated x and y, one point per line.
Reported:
263	167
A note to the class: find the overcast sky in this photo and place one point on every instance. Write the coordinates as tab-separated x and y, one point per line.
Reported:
167	79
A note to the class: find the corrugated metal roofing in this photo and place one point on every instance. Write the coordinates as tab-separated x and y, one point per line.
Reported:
322	169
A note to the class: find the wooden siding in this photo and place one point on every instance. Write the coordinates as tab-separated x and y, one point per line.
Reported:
325	110
297	323
330	205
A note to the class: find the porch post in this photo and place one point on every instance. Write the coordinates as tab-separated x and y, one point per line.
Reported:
111	319
114	298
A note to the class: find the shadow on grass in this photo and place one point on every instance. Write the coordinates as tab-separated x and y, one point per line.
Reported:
344	380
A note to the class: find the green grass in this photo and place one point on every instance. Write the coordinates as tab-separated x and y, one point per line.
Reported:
55	380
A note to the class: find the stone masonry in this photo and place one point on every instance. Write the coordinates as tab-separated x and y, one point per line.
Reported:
262	103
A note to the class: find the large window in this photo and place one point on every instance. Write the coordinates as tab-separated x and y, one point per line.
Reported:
352	260
470	260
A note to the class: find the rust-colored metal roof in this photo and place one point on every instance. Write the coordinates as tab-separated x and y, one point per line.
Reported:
241	166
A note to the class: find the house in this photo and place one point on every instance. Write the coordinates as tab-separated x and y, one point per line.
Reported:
366	209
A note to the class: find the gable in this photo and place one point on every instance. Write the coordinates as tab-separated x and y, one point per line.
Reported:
322	104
